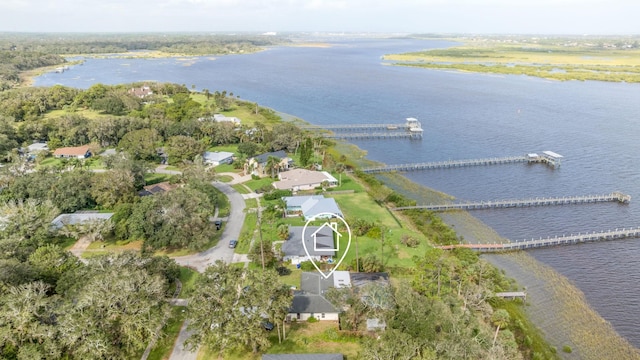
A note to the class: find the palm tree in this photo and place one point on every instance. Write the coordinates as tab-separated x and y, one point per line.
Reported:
272	166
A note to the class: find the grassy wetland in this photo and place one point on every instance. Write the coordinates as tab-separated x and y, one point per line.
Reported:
583	58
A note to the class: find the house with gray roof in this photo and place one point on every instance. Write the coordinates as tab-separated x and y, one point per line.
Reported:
302	357
306	305
319	241
216	158
311	206
314	283
79	218
257	165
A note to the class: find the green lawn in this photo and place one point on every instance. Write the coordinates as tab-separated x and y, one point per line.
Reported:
87	113
154	178
232	148
241	188
226	168
224	178
187	278
246	234
346	183
257	184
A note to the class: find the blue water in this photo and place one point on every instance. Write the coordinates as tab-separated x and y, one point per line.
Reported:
595	125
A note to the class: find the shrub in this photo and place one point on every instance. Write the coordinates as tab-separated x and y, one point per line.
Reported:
283	270
312	320
410	241
255	177
307	266
567	349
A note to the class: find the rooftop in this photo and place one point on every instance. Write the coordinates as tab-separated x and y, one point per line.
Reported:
262	158
72	151
310	303
78	218
217	155
313	205
324	239
302	177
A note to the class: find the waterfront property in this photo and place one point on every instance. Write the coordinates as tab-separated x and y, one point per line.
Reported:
302	179
77	152
311	206
319	242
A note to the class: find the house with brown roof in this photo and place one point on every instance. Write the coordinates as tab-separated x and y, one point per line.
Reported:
302	179
78	152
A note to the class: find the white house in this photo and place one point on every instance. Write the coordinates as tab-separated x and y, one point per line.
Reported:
311	206
319	241
307	305
302	179
223	118
78	152
216	158
79	218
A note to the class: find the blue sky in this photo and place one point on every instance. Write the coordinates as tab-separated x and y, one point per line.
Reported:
439	16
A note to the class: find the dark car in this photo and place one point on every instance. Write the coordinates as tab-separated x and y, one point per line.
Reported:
218	224
233	243
267	325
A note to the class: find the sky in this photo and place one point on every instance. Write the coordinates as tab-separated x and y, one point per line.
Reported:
403	16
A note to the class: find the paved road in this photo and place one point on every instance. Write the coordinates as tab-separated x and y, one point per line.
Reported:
232	229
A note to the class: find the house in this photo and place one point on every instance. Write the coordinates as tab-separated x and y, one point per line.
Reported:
319	241
302	357
257	165
157	188
216	158
79	218
315	283
78	152
302	179
306	305
140	92
36	148
311	206
229	119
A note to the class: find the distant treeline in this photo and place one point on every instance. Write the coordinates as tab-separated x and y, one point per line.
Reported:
12	62
196	44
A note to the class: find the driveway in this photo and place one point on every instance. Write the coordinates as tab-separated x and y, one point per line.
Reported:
232	229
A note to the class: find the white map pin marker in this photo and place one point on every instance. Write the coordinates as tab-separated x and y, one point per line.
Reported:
318	241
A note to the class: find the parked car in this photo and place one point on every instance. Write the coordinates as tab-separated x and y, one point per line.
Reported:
218	224
233	243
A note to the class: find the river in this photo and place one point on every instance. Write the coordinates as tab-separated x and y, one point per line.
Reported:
594	125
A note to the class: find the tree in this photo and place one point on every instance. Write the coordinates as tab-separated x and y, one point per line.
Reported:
306	150
248	148
114	311
257	253
113	187
175	219
183	148
141	144
50	262
230	305
283	231
272	166
500	319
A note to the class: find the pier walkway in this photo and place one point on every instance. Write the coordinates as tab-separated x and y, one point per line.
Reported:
551	241
411	129
549	201
548	157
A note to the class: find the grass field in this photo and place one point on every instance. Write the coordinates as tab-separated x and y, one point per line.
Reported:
164	345
302	338
87	113
552	61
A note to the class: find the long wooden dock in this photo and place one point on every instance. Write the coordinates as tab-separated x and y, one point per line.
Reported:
544	201
552	161
551	241
411	129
